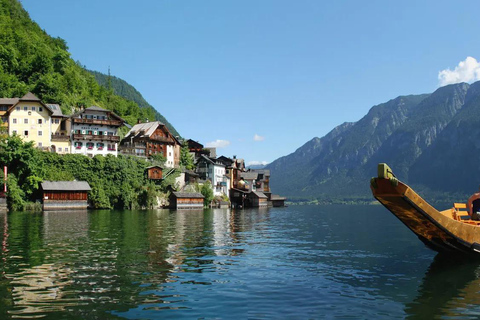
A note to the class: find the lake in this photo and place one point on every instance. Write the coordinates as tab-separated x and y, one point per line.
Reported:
298	262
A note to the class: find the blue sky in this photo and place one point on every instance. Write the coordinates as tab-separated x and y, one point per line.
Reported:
262	77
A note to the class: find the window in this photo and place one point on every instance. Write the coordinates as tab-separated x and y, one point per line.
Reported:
14	120
25	108
40	133
89	145
40	121
40	109
57	121
39	144
14	131
33	108
25	133
59	149
66	150
78	145
25	121
18	108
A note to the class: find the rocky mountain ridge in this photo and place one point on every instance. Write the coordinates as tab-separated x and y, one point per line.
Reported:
422	137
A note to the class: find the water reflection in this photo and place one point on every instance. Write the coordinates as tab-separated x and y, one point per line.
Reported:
450	289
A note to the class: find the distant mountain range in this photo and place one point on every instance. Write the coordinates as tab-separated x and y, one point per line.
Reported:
431	141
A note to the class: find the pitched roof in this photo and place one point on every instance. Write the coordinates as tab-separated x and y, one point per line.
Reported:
30	97
65	186
249	175
55	108
260	194
160	167
196	195
8	101
144	129
95	108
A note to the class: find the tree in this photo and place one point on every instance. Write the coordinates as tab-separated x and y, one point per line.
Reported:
207	191
186	159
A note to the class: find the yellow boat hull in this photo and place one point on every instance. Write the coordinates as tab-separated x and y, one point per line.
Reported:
442	231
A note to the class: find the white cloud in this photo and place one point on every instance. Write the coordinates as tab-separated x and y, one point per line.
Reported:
256	137
218	144
257	163
466	71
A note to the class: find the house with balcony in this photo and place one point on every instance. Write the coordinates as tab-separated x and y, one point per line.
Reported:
150	138
214	170
61	128
95	131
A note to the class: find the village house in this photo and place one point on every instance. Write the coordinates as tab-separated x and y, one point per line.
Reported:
95	131
214	171
151	138
29	118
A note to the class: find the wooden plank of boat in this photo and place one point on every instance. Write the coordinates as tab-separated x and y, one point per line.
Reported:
443	231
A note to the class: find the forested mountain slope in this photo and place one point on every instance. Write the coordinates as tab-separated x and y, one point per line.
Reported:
126	90
31	60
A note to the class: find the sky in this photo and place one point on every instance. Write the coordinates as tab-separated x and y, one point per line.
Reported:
259	78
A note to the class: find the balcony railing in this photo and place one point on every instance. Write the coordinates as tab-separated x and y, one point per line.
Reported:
58	137
160	138
99	122
96	137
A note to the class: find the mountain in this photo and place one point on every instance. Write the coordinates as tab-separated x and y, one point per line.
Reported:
127	91
430	141
31	60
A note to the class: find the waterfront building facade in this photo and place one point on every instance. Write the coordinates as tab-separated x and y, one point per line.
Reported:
95	132
150	138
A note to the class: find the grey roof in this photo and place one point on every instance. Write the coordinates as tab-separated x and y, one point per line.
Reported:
154	167
55	108
95	108
188	195
249	175
261	171
144	129
30	97
277	197
260	194
65	186
8	101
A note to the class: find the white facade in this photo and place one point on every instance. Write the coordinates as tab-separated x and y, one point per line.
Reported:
95	133
217	175
170	162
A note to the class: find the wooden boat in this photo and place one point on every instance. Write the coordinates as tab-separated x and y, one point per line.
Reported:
451	230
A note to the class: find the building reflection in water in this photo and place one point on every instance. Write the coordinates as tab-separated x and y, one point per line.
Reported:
40	289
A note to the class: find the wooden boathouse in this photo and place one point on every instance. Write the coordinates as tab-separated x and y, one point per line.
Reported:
65	195
186	200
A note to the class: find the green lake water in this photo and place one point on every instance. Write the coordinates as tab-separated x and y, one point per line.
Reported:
300	262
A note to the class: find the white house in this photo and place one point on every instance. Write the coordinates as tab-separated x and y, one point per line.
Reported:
95	131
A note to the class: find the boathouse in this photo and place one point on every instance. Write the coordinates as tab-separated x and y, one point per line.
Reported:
65	195
186	200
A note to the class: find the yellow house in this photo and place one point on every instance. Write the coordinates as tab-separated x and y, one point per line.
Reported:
30	119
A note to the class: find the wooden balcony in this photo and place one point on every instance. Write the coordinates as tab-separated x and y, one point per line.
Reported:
96	137
58	137
115	123
161	139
